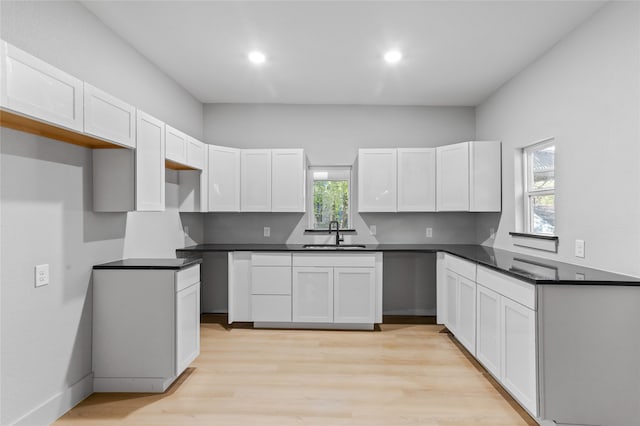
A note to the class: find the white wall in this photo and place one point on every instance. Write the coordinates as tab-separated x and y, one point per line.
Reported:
45	206
331	135
585	92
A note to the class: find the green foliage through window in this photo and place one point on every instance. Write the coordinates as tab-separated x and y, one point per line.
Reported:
330	202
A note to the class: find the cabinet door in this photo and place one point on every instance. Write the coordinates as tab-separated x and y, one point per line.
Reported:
451	288
32	87
452	177
287	180
224	179
149	163
195	153
518	344
416	179
377	180
108	117
485	176
176	145
488	329
466	324
312	294
354	298
255	167
187	326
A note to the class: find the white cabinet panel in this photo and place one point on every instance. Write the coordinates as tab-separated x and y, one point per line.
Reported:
149	163
176	145
271	308
255	193
108	117
271	280
196	153
224	179
453	177
518	341
377	180
187	325
287	180
451	289
312	294
416	179
485	174
488	330
32	87
354	295
466	309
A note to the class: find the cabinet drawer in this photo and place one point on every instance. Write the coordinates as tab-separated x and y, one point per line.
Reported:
271	280
270	259
271	308
514	289
356	260
187	277
460	266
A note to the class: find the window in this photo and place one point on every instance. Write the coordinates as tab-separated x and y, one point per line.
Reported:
539	190
330	188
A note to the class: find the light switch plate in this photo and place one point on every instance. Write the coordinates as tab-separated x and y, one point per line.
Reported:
267	231
42	275
580	248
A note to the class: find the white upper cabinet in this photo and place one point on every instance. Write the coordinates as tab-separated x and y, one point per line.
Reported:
32	87
377	180
485	174
108	117
176	145
196	153
416	179
150	158
453	177
287	180
224	179
255	192
469	177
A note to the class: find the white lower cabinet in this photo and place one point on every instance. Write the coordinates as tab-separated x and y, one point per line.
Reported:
354	295
488	329
466	326
313	294
271	287
146	327
460	300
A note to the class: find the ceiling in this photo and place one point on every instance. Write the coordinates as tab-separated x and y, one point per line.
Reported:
330	52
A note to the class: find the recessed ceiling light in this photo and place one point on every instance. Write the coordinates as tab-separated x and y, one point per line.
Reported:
257	57
393	56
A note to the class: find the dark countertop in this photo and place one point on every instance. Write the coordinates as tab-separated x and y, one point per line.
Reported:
175	264
532	269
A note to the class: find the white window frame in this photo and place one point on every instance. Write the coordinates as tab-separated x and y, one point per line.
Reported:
310	179
528	191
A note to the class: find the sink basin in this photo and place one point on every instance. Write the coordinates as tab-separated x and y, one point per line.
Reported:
333	246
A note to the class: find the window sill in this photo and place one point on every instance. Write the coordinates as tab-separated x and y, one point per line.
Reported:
535	241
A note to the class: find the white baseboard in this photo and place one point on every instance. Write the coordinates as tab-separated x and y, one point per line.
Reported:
53	408
313	325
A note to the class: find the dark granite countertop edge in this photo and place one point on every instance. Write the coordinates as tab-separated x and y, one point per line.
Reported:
153	263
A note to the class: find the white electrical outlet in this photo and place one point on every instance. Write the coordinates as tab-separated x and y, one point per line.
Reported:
372	230
580	248
42	275
580	276
428	232
267	231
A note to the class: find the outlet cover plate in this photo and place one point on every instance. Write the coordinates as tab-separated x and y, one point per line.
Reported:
42	275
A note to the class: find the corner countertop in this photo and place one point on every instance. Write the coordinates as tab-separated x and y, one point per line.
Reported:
535	270
175	264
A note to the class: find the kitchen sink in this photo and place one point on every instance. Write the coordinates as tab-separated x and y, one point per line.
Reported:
333	246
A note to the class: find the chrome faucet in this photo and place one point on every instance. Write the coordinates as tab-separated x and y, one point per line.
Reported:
337	229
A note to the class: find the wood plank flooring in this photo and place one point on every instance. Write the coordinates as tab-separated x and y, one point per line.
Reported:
404	374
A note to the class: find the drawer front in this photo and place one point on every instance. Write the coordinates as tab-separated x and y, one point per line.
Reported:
269	307
514	289
356	260
187	277
270	259
460	266
271	280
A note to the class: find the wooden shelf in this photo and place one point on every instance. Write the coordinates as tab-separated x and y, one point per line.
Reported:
177	166
29	125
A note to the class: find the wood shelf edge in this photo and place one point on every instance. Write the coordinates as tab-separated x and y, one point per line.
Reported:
177	166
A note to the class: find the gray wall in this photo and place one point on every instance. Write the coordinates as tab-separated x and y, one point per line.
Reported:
331	135
46	192
585	92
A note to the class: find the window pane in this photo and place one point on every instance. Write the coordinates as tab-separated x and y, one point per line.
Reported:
543	164
543	218
330	202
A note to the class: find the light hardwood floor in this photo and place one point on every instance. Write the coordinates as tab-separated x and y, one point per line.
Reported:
404	374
